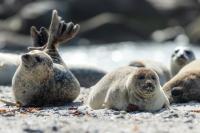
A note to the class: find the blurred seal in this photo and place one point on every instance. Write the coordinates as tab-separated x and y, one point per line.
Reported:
185	85
180	57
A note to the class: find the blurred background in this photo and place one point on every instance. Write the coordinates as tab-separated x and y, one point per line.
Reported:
122	24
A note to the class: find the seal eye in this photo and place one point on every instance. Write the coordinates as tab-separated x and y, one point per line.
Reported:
153	77
141	77
188	52
38	59
176	51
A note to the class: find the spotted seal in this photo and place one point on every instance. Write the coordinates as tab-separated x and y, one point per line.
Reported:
180	57
128	88
42	77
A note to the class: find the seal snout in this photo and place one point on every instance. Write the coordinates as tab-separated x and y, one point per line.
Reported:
177	91
149	86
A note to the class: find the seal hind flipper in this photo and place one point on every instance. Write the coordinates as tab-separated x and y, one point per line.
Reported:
60	31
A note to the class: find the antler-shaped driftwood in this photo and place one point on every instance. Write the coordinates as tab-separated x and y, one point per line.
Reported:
59	32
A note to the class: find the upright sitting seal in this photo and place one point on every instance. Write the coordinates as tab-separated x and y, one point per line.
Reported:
86	75
128	88
180	57
162	71
185	85
42	78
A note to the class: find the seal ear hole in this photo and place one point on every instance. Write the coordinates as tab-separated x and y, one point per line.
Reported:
38	59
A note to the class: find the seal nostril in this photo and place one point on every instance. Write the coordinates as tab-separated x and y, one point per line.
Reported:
177	92
149	84
182	56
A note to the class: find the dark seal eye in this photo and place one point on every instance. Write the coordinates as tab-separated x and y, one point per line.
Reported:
38	59
176	51
153	77
188	52
141	77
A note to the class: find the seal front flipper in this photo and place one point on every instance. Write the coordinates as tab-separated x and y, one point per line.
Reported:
40	37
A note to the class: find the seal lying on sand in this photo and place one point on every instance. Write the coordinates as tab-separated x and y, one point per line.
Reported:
162	71
42	78
181	56
128	88
185	85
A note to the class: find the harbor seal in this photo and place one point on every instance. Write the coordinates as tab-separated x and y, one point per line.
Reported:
128	87
180	57
185	85
161	70
42	78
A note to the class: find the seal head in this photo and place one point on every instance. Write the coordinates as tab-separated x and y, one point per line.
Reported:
180	57
36	61
144	90
143	83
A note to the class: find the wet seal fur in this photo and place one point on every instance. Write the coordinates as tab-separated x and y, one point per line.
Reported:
185	85
180	57
42	78
161	70
128	88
